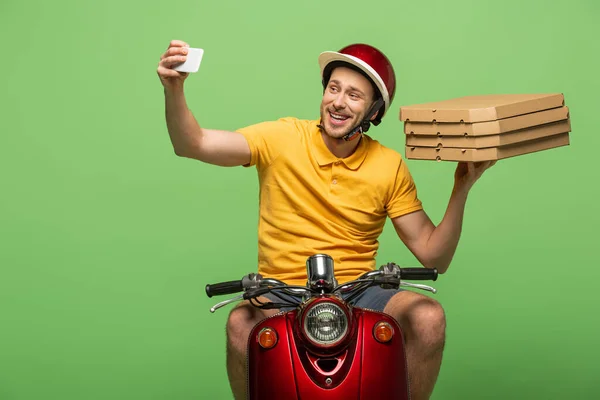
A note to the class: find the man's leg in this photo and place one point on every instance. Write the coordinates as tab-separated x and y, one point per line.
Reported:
239	324
423	322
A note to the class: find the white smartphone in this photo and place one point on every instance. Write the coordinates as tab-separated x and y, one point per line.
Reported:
192	63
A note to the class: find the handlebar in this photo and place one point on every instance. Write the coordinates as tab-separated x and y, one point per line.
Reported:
388	274
250	281
219	289
419	274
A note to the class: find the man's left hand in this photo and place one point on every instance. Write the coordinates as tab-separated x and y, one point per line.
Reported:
467	173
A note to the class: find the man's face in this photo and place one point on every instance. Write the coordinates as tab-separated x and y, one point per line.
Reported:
346	100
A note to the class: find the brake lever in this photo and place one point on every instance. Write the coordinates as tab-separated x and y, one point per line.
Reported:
224	303
418	286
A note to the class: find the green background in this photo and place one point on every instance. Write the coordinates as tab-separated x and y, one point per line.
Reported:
107	238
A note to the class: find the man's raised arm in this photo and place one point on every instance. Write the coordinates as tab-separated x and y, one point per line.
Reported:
189	139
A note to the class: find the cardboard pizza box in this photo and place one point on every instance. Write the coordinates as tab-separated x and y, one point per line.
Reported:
478	142
488	154
481	108
487	128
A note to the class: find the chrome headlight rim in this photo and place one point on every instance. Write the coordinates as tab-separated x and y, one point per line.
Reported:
310	306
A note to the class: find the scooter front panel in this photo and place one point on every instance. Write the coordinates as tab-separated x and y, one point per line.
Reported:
270	371
384	370
372	370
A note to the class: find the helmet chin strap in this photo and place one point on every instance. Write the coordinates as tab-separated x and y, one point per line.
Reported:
365	123
356	132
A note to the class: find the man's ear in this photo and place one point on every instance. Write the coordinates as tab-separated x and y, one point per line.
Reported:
374	115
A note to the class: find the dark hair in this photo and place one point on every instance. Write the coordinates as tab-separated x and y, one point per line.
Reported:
335	64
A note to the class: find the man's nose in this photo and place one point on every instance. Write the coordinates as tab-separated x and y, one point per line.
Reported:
339	101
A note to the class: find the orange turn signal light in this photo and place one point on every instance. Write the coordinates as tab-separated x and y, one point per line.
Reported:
383	332
267	338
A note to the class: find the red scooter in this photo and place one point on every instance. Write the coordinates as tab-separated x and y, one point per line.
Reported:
321	346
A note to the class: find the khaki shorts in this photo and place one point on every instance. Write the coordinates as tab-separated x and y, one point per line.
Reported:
374	298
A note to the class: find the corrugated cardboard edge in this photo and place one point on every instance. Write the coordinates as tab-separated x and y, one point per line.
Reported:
487	128
424	113
480	142
490	154
527	107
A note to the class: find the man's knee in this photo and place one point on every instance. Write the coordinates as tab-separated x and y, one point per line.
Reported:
431	313
240	322
421	316
431	322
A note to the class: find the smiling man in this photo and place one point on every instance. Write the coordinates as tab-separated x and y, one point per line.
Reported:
328	187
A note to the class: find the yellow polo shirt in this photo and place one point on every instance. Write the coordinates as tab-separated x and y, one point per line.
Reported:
313	202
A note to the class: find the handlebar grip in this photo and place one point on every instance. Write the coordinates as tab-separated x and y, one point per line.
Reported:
222	288
418	274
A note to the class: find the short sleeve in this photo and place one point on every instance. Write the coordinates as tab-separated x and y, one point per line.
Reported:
403	198
267	140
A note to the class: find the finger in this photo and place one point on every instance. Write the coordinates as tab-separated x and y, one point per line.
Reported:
471	168
487	165
178	43
483	166
170	73
174	51
168	62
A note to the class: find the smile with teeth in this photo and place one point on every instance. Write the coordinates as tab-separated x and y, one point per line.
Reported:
338	117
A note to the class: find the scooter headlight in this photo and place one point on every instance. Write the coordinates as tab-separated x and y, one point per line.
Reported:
325	323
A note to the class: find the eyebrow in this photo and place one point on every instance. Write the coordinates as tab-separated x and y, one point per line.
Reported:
351	87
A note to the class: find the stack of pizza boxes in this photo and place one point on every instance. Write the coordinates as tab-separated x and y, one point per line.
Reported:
485	127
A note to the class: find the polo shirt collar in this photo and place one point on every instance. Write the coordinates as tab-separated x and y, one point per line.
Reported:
324	156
